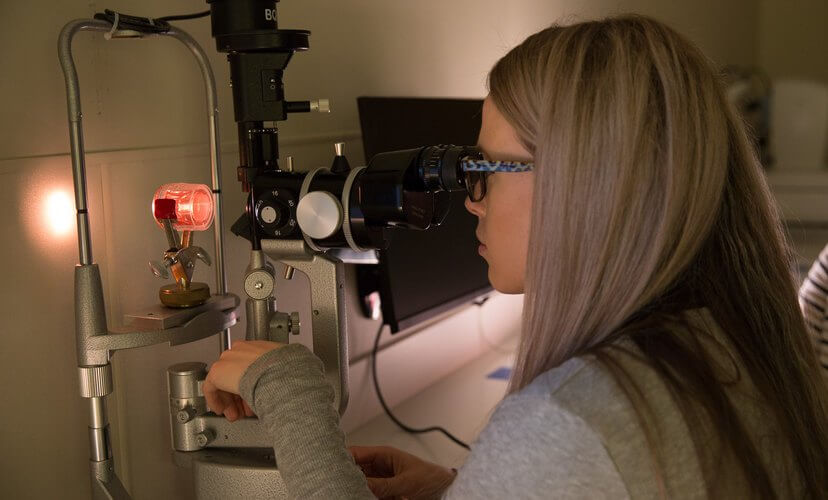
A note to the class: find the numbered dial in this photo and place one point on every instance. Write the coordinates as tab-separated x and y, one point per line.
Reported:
276	213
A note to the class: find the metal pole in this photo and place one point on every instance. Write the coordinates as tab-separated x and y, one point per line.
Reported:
76	128
215	162
99	430
104	481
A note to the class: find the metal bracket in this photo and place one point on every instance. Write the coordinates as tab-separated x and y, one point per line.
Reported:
155	325
158	317
105	484
328	321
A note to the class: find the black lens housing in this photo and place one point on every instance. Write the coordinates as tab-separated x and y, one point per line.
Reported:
410	188
252	25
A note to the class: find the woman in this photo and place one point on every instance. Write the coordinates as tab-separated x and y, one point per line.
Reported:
663	352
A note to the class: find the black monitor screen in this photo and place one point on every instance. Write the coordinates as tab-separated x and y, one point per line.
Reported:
424	273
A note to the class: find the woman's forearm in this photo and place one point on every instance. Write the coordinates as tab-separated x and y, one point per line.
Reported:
287	390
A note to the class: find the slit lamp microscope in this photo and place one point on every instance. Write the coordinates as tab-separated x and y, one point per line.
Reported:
300	218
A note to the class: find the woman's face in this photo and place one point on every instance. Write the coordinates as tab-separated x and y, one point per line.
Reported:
504	213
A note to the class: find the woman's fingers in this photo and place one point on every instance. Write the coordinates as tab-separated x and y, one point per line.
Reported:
375	461
247	410
221	387
232	406
238	405
383	487
371	454
211	395
231	413
220	402
241	405
390	472
226	373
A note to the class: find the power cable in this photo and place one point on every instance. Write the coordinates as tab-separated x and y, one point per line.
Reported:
400	424
183	17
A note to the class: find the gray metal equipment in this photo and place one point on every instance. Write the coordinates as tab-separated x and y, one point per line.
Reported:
225	457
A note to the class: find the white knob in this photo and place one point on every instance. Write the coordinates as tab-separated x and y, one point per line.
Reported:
319	214
321	106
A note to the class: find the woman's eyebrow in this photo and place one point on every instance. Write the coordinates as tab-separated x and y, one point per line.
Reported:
489	157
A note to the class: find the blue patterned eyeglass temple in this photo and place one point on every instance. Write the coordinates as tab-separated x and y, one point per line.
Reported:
469	164
477	170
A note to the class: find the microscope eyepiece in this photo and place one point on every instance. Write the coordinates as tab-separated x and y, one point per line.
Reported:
440	167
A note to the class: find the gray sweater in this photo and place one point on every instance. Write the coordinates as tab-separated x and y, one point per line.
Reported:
572	433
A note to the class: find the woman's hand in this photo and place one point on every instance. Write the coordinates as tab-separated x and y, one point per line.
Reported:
392	473
221	387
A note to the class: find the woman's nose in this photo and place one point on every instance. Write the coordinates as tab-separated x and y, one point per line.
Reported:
475	207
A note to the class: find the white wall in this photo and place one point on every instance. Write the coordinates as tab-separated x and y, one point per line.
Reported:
144	122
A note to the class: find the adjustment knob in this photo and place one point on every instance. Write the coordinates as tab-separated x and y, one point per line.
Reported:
340	163
205	437
321	106
275	212
259	284
319	214
295	324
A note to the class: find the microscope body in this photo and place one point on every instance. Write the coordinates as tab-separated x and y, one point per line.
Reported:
295	217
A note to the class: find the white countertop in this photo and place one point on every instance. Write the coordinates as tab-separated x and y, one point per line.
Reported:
460	402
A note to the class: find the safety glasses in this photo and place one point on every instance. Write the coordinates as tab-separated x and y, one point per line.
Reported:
476	170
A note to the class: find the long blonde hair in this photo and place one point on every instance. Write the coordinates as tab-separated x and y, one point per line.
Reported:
647	198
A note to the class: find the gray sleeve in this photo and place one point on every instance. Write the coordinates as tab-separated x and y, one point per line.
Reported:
287	390
534	448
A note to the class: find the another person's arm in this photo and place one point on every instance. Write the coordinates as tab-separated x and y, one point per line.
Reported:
813	299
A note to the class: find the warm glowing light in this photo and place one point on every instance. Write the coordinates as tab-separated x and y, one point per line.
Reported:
59	212
193	205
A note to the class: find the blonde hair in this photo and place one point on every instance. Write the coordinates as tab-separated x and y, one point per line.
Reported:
648	198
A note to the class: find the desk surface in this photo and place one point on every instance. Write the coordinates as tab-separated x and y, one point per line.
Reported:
461	403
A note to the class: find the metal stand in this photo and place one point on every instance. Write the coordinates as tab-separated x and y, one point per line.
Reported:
95	343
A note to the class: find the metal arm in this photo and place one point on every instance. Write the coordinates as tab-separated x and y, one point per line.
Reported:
330	330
